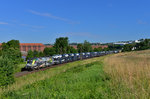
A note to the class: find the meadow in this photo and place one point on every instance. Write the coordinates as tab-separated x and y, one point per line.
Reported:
130	74
123	75
71	77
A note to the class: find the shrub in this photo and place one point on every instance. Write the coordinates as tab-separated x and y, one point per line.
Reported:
11	49
6	71
30	54
13	54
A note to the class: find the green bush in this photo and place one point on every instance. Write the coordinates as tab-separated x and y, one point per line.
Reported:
30	54
13	54
6	71
11	49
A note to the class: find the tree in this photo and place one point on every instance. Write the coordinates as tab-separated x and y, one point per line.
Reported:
30	54
127	47
41	54
106	49
49	51
14	44
6	71
11	49
144	45
0	52
71	49
61	45
10	57
80	48
87	46
114	47
98	49
35	53
68	49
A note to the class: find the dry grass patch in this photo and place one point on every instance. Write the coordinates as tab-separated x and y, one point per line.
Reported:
131	71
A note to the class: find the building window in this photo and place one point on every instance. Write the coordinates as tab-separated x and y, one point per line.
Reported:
24	48
39	48
29	48
34	47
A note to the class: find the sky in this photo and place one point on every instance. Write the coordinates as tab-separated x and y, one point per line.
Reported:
42	21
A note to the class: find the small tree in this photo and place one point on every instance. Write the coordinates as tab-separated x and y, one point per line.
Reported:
80	48
41	54
11	49
49	51
127	47
61	45
106	49
72	50
6	71
35	53
13	54
0	52
98	49
30	54
87	46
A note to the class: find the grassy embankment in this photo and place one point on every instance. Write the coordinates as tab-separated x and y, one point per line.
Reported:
124	75
73	80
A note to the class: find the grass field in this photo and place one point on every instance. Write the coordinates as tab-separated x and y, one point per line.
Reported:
118	76
130	74
78	72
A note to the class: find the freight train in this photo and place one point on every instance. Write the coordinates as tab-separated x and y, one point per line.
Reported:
42	62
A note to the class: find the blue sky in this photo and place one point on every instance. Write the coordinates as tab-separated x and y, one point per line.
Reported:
42	21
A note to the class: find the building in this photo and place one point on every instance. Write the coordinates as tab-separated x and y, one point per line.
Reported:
137	41
97	46
48	45
25	47
32	46
121	43
74	46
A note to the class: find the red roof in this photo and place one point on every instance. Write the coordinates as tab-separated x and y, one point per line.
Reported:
31	44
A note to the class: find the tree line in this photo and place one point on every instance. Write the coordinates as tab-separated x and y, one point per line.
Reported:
61	46
143	45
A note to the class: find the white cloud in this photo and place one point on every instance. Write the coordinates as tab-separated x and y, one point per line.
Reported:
53	17
141	22
81	34
3	23
32	26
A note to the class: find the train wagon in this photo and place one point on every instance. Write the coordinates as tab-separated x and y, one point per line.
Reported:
37	63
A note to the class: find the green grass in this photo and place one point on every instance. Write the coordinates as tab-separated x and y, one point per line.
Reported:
81	81
19	67
119	76
42	75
